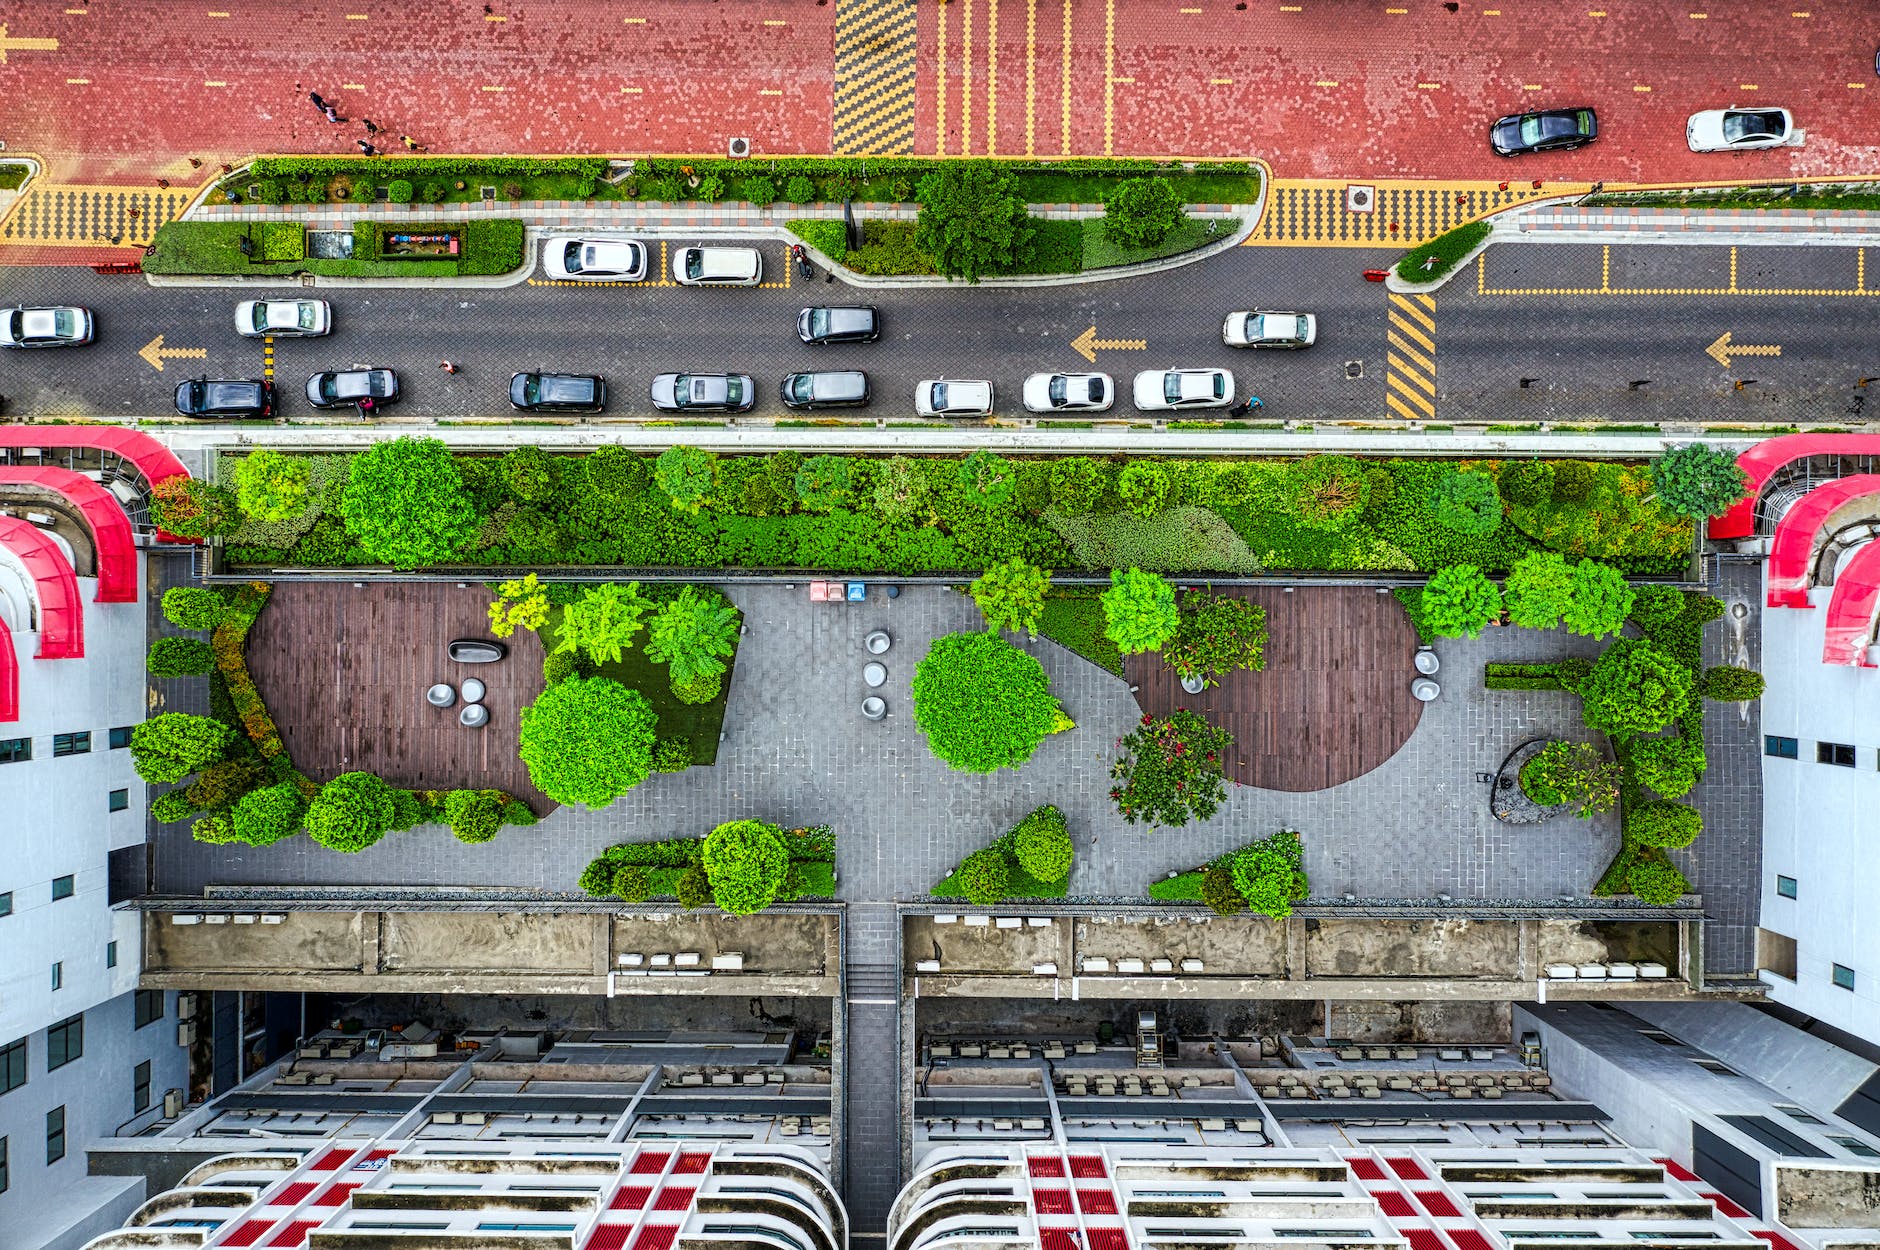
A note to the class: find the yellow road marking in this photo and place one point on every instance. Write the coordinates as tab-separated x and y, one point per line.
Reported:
1429	86
992	76
1411	332
1530	86
1292	8
78	82
1491	12
1031	76
358	17
1220	82
1596	12
1397	11
775	21
1109	77
1064	86
24	43
1801	13
217	13
966	77
489	88
1859	289
1698	17
1399	302
1640	87
1123	80
352	86
940	103
215	82
633	21
1747	86
494	17
1398	384
1416	357
1326	82
1858	86
633	91
78	12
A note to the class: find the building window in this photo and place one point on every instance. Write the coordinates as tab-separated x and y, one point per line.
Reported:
65	1041
1855	1146
12	1066
63	887
1780	747
110	954
1840	754
3	1165
6	903
121	737
55	1135
1786	886
15	750
140	1087
58	975
1656	1035
120	800
1797	1114
71	744
149	1007
1844	976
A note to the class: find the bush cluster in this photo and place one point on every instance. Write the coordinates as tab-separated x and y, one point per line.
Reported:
1032	860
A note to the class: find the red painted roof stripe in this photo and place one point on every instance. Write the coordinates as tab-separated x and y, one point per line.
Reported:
649	1164
293	1195
1044	1165
1407	1168
1762	461
1107	1239
337	1193
1438	1204
1469	1239
154	462
1792	551
691	1164
609	1237
1423	1238
631	1198
247	1233
1057	1239
1088	1167
1677	1169
61	611
110	528
331	1159
1773	1238
1851	609
1394	1204
1366	1168
1096	1202
1051	1201
9	676
294	1234
656	1237
671	1199
1729	1208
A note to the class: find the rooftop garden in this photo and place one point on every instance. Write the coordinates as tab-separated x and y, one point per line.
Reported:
481	246
742	866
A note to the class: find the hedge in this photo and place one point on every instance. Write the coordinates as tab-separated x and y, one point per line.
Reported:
1520	677
490	245
1446	248
300	168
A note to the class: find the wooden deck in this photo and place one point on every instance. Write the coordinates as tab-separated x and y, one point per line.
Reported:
1332	703
344	671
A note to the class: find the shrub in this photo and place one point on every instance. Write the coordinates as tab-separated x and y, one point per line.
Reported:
1218	892
1144	488
1076	485
398	191
1170	771
1573	481
1528	483
902	491
1010	595
632	883
672	755
265	816
1573	673
799	190
474	815
530	474
985	876
1538	590
587	740
613	471
1728	684
169	808
561	665
1329	492
351	812
1270	874
270	191
711	189
824	483
1042	845
1657	608
1218	635
1670	766
597	879
1598	600
601	624
433	192
982	703
760	191
1459	601
693	635
194	607
405	503
1141	212
171	745
987	479
179	657
687	475
1468	502
745	861
191	509
220	784
1663	824
693	889
1635	688
271	486
699	689
1139	612
665	190
217	828
1575	773
1657	882
1698	481
972	221
520	603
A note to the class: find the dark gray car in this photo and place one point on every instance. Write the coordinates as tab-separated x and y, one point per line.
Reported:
557	392
860	324
340	390
830	389
225	397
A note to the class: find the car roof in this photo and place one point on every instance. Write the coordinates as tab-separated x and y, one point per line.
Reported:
564	388
727	262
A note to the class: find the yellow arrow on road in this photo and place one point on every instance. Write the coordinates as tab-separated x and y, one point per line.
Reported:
1088	345
155	353
1722	350
23	44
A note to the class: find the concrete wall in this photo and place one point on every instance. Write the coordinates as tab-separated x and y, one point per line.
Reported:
1806	1069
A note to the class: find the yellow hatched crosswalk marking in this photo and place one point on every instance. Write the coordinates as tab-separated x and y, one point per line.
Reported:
1327	212
875	75
54	215
1410	379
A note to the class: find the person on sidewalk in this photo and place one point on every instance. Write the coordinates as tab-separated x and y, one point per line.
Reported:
319	102
372	127
447	366
1245	406
366	148
332	115
412	143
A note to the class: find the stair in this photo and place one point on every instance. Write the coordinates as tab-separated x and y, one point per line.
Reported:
873	983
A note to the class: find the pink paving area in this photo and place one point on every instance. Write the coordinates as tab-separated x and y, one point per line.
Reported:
634	76
1792	551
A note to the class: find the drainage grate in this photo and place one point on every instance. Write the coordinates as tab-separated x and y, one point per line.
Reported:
1354	368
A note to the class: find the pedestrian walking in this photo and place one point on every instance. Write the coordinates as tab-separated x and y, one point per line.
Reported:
319	101
332	115
447	366
372	127
367	148
1242	408
412	143
366	405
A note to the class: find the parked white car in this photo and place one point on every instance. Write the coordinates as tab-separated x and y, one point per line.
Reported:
45	327
717	266
1741	130
1258	328
1069	392
283	318
573	258
1158	390
952	397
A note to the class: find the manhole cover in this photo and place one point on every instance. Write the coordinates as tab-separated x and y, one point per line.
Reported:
1360	198
1354	368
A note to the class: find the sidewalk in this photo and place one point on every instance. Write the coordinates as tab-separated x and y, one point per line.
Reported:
1790	227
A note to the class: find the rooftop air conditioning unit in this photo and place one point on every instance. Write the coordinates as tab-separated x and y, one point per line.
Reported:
172	1103
186	1006
738	148
186	1033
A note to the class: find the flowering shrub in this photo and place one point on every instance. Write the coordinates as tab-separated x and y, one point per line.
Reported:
1170	770
1572	772
1218	635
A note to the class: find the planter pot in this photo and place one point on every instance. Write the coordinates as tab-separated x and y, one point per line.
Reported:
441	695
1425	690
874	707
474	716
874	674
878	642
473	691
1193	684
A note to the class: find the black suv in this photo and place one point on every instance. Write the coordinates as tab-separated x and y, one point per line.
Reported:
225	397
838	325
557	392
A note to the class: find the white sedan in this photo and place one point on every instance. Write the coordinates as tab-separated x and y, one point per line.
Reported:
283	318
1259	328
1069	392
1158	390
575	259
45	327
951	397
1741	130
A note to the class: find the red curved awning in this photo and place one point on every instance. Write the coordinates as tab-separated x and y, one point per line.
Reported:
61	614
1762	461
110	528
155	462
1851	609
1792	551
9	675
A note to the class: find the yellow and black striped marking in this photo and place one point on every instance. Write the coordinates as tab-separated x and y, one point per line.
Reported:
1312	212
1410	382
267	357
87	216
875	74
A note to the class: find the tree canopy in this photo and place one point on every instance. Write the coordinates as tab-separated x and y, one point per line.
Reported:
588	740
406	504
983	703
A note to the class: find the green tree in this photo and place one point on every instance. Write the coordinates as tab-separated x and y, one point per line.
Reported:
1170	771
351	812
1144	488
1573	773
1139	612
172	656
1728	684
529	473
520	603
1270	874
1528	483
1698	481
1657	608
216	827
693	635
902	491
169	808
1141	212
1598	601
687	475
271	486
1467	502
602	622
1657	882
1670	766
265	816
985	876
1635	688
1329	492
588	740
1663	824
613	471
672	755
1010	594
972	221
1459	601
1538	590
825	483
983	703
1042	845
987	479
474	815
694	888
406	504
746	862
194	607
171	745
1218	635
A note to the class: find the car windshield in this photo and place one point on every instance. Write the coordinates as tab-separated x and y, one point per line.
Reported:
1738	126
304	315
734	390
800	387
531	388
694	264
1220	387
1531	129
65	321
1172	387
818	322
1060	386
1093	390
940	396
260	317
571	258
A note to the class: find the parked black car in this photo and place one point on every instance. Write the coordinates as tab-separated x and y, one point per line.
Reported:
225	397
1554	130
860	324
557	392
847	388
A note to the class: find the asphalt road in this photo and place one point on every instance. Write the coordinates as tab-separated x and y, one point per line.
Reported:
1570	318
